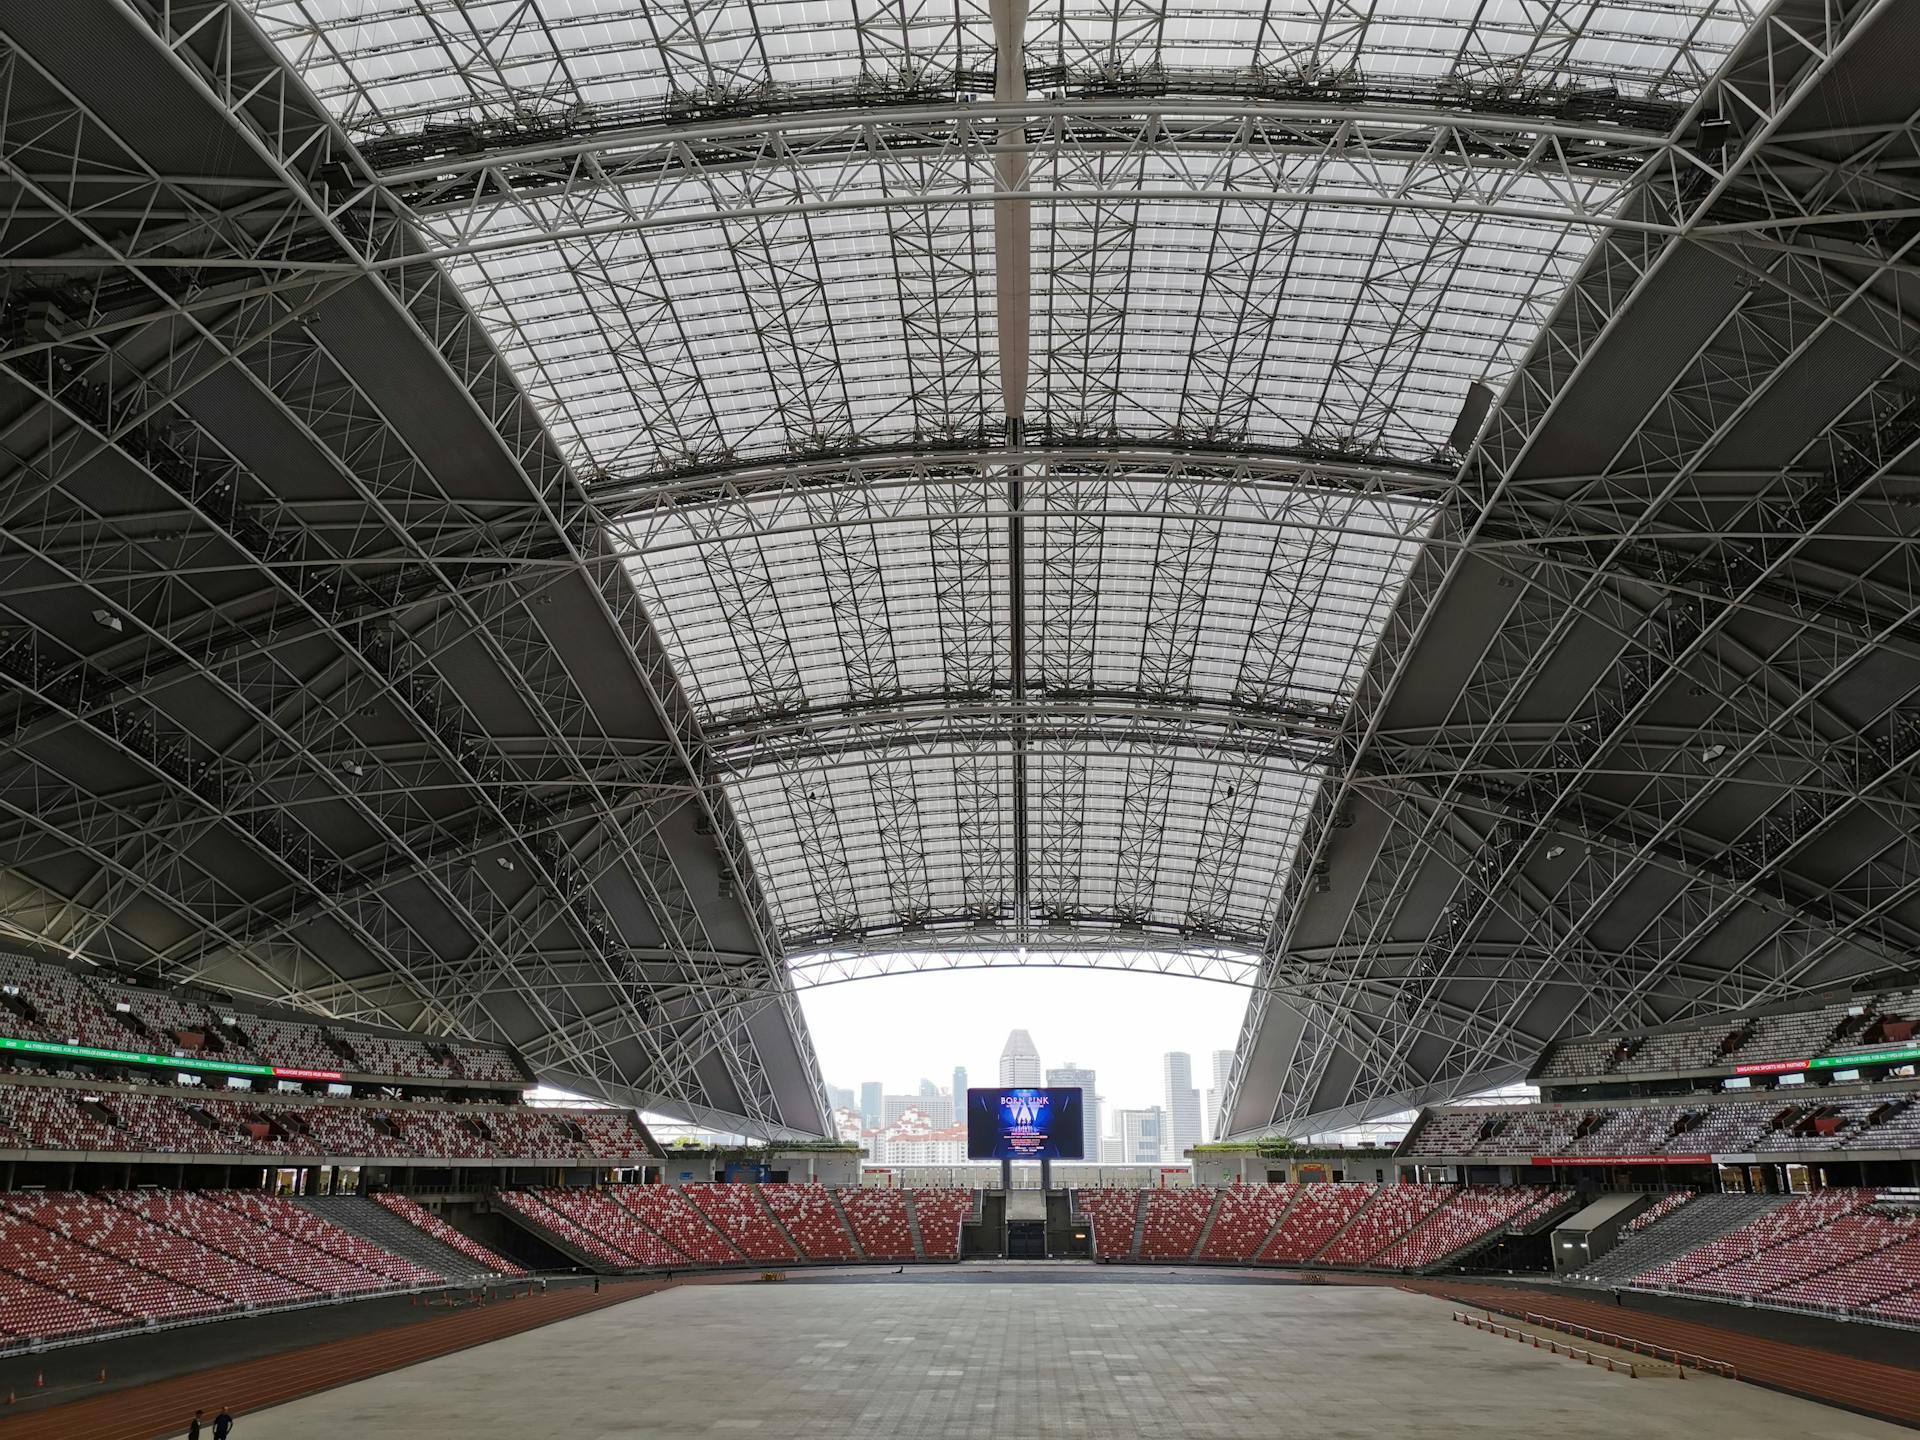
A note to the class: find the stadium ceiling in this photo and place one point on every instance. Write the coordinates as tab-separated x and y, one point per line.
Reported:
602	510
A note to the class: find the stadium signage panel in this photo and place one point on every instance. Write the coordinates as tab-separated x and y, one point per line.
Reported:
1895	1056
1567	1160
171	1062
1771	1067
1014	1122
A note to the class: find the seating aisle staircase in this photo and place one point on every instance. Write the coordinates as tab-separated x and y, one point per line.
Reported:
375	1223
1688	1228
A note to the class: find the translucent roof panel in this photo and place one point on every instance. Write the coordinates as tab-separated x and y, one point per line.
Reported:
1123	838
1352	318
1164	614
385	65
1137	585
713	236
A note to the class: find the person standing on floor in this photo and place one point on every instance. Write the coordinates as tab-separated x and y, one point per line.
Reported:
193	1425
222	1425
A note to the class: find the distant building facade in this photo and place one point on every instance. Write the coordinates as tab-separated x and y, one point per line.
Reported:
1070	1075
1217	1093
1019	1060
1182	1107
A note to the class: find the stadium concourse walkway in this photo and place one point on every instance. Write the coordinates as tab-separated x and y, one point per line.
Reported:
1885	1390
162	1407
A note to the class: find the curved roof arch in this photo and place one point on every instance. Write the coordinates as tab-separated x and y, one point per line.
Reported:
1028	475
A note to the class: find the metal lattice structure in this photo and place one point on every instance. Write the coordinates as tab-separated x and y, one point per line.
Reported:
611	512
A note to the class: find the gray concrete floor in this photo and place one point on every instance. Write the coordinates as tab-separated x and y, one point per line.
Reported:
895	1358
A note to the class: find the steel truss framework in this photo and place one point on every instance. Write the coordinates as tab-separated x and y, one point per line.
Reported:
1776	649
1164	671
311	794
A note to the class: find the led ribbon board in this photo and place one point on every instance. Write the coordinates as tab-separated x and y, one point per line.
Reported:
1896	1056
171	1062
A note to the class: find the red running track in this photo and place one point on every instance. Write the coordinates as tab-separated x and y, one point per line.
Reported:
1890	1392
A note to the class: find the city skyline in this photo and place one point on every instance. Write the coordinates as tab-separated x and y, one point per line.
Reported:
1185	1120
897	1031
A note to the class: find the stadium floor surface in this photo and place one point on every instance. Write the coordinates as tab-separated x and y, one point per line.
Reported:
895	1357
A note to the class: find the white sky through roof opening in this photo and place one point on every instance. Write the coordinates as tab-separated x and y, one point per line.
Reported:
902	1028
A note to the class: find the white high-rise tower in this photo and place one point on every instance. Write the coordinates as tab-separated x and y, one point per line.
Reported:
1182	1127
1019	1060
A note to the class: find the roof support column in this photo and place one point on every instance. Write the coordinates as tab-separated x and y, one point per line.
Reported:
1013	301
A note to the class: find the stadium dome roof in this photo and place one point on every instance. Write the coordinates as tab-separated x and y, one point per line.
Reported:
1393	502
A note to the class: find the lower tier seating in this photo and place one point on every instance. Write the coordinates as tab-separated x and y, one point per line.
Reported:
73	1264
665	1210
1247	1216
424	1220
1320	1213
940	1214
1113	1215
1844	1250
808	1214
1175	1220
881	1222
739	1213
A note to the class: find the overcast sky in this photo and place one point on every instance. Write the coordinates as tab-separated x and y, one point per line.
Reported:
898	1028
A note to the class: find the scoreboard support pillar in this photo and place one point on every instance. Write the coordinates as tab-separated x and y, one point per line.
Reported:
1006	1174
1046	1174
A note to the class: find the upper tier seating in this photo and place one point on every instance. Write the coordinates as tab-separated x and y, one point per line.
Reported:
940	1214
1396	1209
1778	1122
1731	1040
214	1122
1247	1216
416	1215
80	1009
737	1210
1320	1213
812	1219
1175	1219
879	1218
1113	1215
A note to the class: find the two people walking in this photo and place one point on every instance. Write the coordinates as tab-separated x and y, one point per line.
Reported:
222	1425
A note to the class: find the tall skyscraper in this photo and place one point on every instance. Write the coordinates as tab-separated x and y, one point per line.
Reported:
1222	1068
1182	1127
959	1088
1019	1060
1071	1074
870	1104
840	1097
927	1087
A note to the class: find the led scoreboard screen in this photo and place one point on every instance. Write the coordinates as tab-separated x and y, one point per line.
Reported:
1009	1122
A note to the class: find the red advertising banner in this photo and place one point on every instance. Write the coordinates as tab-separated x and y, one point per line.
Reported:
1770	1067
1623	1159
